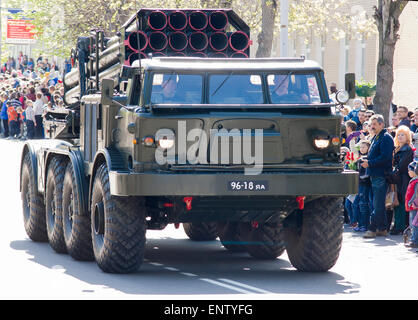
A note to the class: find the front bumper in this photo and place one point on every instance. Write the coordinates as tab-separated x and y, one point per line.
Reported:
211	184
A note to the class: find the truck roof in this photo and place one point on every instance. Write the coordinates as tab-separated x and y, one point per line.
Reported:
165	64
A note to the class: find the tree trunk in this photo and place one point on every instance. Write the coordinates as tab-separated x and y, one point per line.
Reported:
387	19
265	38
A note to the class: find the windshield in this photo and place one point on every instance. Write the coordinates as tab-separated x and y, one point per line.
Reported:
291	88
235	88
174	88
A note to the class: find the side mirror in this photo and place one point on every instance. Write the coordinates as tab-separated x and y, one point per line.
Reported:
350	84
107	91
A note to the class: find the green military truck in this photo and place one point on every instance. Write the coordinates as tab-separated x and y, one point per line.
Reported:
247	150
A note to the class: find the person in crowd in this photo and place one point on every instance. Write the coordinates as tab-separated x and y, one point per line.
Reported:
411	203
333	92
369	114
13	118
414	125
378	163
353	115
364	193
402	113
38	108
351	133
30	120
403	155
3	115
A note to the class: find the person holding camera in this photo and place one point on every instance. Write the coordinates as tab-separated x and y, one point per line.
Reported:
378	164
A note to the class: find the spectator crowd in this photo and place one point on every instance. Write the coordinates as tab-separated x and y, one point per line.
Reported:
27	90
384	156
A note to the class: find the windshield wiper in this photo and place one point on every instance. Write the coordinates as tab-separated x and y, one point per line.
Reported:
222	83
287	76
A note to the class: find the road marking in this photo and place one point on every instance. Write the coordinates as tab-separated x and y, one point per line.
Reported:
217	283
156	264
171	269
188	274
245	286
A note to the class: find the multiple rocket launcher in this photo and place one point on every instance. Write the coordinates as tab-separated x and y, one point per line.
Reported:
213	33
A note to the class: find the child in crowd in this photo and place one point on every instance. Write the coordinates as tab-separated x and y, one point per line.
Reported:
30	120
411	203
365	189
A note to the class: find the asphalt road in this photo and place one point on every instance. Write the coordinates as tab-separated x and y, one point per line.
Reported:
177	268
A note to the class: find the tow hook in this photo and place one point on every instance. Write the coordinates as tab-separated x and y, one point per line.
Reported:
188	202
254	224
301	202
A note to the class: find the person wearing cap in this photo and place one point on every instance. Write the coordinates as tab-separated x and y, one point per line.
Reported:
411	203
379	164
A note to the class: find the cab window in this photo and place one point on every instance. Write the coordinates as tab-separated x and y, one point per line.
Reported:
175	88
288	88
232	88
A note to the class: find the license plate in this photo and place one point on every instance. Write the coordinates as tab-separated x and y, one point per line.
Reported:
248	185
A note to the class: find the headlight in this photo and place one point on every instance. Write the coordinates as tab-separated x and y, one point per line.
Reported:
342	96
321	143
166	143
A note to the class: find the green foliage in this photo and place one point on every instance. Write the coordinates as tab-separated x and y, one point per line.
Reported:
365	89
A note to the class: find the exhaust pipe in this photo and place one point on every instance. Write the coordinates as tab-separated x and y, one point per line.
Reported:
198	41
218	20
157	41
239	54
157	20
178	41
218	41
198	20
132	41
239	41
218	55
177	20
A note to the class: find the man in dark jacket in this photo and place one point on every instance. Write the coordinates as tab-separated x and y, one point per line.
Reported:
379	163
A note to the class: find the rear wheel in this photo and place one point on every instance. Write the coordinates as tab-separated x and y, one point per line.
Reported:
229	236
314	237
76	223
32	204
201	231
118	227
264	240
53	204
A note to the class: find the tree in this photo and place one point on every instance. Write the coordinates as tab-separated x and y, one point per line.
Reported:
265	37
386	15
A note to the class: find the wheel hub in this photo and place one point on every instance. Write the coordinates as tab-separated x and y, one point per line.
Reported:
98	218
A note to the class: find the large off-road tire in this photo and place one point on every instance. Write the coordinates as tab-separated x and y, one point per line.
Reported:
53	204
76	223
264	241
201	231
32	204
118	227
314	238
228	233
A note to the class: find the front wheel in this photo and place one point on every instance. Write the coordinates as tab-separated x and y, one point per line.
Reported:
313	237
118	227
